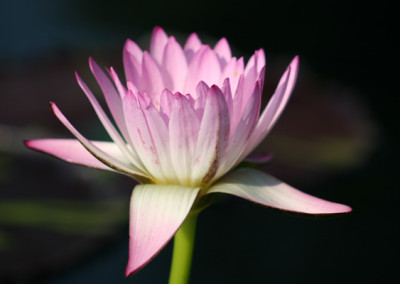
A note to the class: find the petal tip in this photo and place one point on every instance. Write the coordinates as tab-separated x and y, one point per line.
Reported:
28	143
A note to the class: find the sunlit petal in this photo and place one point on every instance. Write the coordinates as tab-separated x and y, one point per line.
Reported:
156	213
266	190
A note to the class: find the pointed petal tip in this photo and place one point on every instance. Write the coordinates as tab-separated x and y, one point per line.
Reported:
295	62
77	76
92	64
91	60
266	190
127	43
158	29
28	143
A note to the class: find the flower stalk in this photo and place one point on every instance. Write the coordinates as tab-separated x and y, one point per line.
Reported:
183	251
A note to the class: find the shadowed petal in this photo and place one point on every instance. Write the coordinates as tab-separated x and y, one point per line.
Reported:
266	190
203	67
192	45
156	213
183	129
213	137
72	151
223	50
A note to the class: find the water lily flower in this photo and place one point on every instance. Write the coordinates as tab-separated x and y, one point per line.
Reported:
186	117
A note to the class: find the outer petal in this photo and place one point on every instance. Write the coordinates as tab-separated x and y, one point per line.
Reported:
110	93
252	72
275	106
261	188
103	157
72	151
240	134
132	155
156	213
120	87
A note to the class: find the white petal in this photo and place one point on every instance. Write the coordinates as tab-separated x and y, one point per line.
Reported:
183	128
156	213
266	190
213	137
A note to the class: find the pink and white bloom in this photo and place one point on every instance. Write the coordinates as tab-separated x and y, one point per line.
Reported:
186	117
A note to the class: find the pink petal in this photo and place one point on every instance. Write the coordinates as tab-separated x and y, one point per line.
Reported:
213	137
266	190
183	128
152	81
226	90
223	51
251	73
72	151
233	70
201	93
156	213
174	66
158	42
132	57
111	95
130	154
120	87
203	67
192	45
160	137
237	104
260	62
105	158
141	137
166	104
133	49
275	106
240	134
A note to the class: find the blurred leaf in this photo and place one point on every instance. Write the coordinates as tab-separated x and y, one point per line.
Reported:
70	217
3	241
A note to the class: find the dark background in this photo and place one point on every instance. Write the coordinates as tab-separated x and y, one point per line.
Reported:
60	223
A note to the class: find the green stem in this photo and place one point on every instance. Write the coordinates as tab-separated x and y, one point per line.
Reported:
183	251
